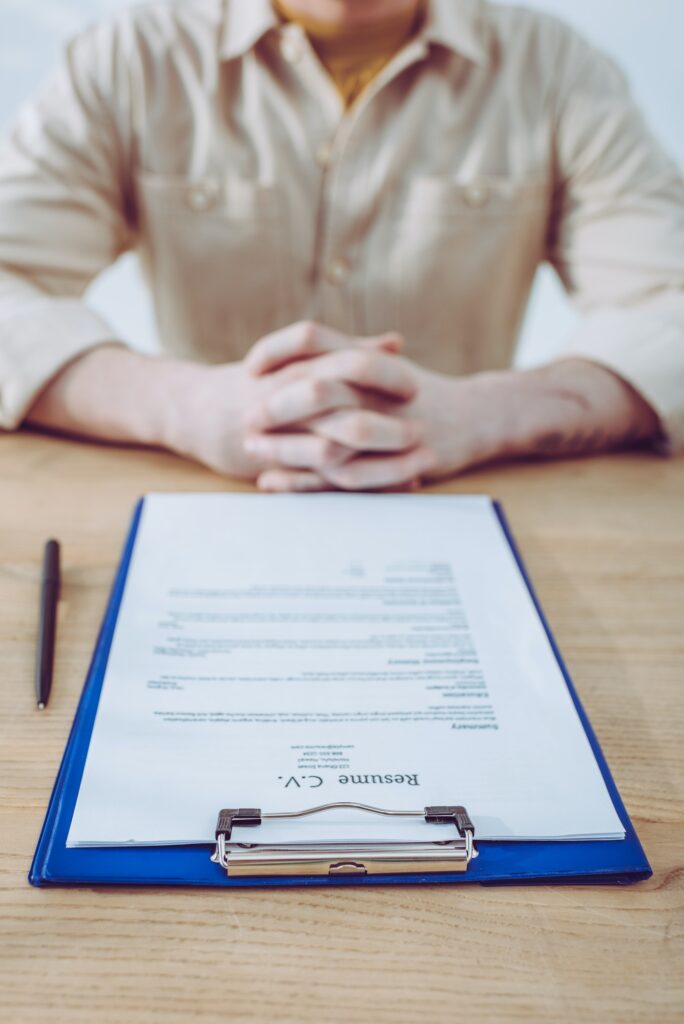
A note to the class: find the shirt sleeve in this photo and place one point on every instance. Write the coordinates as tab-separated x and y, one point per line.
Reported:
63	219
617	235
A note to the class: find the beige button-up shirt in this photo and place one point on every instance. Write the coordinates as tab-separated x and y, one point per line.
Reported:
207	135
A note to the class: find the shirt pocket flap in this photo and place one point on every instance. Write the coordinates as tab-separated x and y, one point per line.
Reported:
429	197
233	197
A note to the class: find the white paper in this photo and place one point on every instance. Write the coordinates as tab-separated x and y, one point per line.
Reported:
285	651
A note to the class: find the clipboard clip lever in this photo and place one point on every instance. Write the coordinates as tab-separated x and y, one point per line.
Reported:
252	859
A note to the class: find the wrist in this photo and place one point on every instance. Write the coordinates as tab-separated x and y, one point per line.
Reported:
523	408
498	408
109	392
570	406
514	412
151	395
201	415
175	396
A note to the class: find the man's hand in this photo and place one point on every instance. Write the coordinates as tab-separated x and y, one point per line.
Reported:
348	375
336	413
439	429
114	394
310	409
566	408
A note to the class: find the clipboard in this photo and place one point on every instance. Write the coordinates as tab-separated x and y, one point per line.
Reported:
462	859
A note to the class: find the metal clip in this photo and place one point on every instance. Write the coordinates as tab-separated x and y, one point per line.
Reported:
449	815
344	859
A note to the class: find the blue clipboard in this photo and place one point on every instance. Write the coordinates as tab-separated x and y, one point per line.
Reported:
599	861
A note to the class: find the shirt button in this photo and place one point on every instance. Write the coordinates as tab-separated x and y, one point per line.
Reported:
201	197
476	195
338	271
324	155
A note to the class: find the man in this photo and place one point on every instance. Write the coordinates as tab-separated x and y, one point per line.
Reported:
340	206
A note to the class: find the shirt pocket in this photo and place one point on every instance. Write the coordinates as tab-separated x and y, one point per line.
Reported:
462	259
214	252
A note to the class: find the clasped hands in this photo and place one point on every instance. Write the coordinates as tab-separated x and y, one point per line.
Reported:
311	409
320	410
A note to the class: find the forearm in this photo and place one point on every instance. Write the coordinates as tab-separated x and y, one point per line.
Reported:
569	407
114	394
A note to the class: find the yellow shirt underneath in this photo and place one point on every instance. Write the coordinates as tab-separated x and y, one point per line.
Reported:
354	56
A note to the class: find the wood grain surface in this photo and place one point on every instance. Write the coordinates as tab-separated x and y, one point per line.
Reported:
604	542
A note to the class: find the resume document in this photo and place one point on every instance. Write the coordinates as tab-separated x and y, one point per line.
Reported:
287	651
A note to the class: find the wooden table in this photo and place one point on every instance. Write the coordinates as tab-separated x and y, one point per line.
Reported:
604	541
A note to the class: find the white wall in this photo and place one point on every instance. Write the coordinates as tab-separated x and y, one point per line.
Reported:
645	36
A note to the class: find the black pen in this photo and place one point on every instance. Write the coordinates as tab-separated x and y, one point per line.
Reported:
49	596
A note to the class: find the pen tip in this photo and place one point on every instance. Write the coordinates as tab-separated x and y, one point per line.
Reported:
41	705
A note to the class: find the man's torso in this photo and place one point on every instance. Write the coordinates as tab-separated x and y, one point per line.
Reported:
256	200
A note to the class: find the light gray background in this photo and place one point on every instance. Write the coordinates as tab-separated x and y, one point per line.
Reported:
644	36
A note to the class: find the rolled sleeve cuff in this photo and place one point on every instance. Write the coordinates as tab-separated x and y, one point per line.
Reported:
646	349
37	340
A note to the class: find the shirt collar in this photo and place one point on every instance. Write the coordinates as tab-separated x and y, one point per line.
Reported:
244	24
458	25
